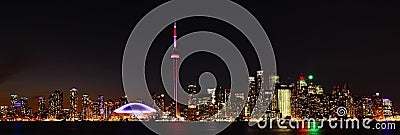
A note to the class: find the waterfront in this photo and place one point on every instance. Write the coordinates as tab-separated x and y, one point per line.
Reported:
123	128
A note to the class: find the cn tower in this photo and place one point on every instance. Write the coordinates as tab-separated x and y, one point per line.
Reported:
175	68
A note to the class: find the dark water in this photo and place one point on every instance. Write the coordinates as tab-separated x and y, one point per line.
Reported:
136	128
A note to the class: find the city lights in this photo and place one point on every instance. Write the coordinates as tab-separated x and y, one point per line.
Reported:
310	77
290	100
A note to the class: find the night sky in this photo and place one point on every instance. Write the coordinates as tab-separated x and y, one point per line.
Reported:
48	45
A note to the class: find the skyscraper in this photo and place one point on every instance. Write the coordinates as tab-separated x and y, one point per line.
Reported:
192	91
3	111
387	108
306	99
105	110
283	99
109	108
377	106
14	101
85	106
56	104
341	97
211	91
24	106
253	93
273	79
222	95
175	64
161	102
95	107
272	92
260	97
192	101
100	100
42	107
366	107
73	102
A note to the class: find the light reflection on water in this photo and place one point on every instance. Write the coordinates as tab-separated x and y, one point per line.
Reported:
184	128
177	128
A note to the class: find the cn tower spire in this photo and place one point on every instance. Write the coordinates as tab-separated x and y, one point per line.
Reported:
174	36
175	71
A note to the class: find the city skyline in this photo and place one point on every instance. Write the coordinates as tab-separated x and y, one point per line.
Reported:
4	101
199	67
75	45
81	45
75	97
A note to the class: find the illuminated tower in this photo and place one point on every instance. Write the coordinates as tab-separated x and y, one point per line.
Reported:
192	108
24	106
159	101
377	107
3	111
272	92
387	108
283	99
212	93
109	108
175	64
100	100
73	102
56	104
85	106
260	81
96	110
192	90
42	106
260	87
14	101
252	94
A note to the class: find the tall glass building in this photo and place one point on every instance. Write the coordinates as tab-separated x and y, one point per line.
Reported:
73	102
56	104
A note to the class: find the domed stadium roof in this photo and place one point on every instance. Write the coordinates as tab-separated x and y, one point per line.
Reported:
135	108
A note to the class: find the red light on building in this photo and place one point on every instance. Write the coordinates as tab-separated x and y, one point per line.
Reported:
302	77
